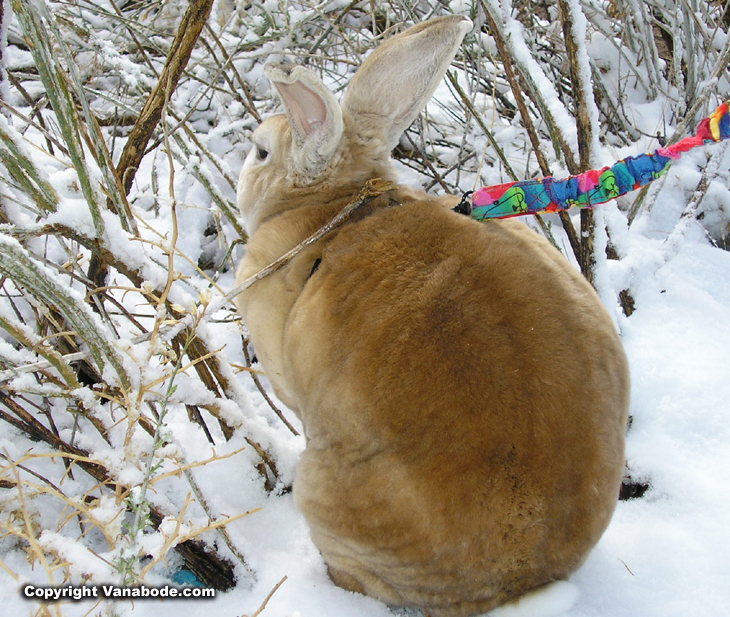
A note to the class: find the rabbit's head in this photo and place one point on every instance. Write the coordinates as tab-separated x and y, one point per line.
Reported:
320	149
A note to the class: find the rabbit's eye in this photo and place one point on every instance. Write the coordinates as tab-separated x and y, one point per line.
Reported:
261	154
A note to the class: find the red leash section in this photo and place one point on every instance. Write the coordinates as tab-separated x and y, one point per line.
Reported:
595	186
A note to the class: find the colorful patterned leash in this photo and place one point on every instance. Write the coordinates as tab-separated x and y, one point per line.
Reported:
591	187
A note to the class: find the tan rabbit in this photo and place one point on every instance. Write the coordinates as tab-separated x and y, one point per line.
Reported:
463	392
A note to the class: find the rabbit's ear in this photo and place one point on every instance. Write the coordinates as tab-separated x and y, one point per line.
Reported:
396	81
314	116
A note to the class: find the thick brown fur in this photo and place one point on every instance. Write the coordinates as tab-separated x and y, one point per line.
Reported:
463	392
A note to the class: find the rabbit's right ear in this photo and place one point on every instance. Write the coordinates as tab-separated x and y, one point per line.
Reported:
396	81
314	116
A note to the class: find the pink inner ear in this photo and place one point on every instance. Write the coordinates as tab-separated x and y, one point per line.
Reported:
306	109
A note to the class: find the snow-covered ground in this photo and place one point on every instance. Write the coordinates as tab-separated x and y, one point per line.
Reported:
665	554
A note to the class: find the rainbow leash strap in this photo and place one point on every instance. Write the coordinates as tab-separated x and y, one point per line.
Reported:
595	186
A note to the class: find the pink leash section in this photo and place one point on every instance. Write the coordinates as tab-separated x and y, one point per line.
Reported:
592	187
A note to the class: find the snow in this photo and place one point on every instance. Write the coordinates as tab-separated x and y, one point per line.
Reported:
664	551
664	554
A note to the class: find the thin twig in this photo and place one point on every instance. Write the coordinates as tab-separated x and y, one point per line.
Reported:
262	391
582	91
268	597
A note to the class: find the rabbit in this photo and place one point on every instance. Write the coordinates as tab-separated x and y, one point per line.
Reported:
463	392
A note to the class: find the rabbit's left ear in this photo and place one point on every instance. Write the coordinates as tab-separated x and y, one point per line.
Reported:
314	116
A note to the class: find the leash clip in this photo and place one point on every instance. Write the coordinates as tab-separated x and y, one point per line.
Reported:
464	206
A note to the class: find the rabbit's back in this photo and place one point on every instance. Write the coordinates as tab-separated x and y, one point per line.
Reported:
464	395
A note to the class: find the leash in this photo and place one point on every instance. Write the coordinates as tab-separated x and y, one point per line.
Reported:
585	190
539	195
